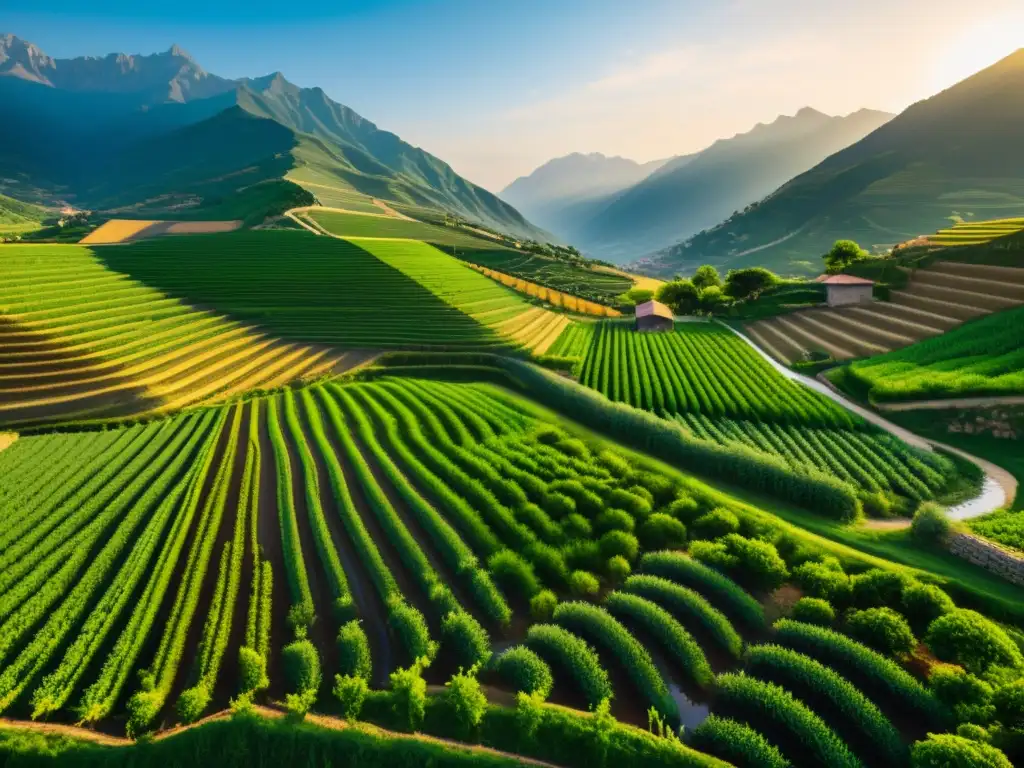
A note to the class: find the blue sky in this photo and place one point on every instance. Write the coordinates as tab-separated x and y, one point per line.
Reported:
496	88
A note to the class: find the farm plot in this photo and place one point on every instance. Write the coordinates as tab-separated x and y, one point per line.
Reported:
370	294
976	232
353	225
79	340
350	528
984	357
714	386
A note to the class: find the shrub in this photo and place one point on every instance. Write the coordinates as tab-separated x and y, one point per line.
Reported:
832	696
714	554
719	590
301	666
412	630
614	520
616	464
350	691
638	506
560	647
684	508
193	702
558	505
752	562
1009	702
969	698
584	584
948	751
736	743
576	526
824	579
465	638
880	678
741	283
549	435
814	610
354	651
523	670
619	543
767	706
924	603
875	588
409	694
692	607
930	525
973	732
549	564
618	568
543	604
654	487
252	670
513	573
715	524
599	626
572	446
969	639
662	531
660	624
466	701
882	629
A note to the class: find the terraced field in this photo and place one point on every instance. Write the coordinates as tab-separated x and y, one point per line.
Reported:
976	232
937	299
79	340
377	522
983	357
568	301
354	226
707	380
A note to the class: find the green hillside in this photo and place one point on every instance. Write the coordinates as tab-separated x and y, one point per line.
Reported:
955	154
17	217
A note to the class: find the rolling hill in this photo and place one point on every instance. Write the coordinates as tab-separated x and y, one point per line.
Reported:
157	134
955	154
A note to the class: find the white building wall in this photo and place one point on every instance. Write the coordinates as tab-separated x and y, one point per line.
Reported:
841	295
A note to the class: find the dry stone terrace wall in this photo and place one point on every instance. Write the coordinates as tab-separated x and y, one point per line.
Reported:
988	556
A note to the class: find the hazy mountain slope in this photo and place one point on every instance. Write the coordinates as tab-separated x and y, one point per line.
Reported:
683	198
956	153
555	194
102	132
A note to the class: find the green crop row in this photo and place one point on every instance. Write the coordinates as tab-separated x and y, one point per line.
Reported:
574	657
736	743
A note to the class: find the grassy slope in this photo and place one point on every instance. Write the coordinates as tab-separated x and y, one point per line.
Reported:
981	357
17	217
354	225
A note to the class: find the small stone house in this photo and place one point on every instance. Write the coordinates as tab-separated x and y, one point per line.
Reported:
654	316
847	289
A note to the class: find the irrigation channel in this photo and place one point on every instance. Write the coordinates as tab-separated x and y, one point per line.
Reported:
997	489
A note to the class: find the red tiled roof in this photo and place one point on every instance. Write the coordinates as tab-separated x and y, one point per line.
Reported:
653	307
844	280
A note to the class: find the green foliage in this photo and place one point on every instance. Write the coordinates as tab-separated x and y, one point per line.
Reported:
354	650
967	638
564	650
1009	703
614	520
524	671
636	505
301	665
945	750
824	579
814	610
882	679
877	587
968	697
576	526
882	629
542	605
833	697
743	283
514	573
410	694
768	707
466	701
662	531
930	524
751	562
584	584
252	670
843	254
350	691
619	543
706	276
923	603
412	630
736	743
466	639
715	524
719	590
681	296
192	703
618	568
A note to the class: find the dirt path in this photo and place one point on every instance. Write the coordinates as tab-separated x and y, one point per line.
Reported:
963	402
7	439
999	487
391	211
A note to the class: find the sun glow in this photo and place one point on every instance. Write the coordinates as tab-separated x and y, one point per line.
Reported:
981	43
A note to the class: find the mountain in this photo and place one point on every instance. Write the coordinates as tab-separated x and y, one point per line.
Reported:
956	154
694	192
159	136
559	193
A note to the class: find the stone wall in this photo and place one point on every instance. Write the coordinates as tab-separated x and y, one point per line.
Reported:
1001	562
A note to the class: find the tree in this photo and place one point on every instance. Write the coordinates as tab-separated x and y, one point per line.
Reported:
843	254
681	295
706	277
741	283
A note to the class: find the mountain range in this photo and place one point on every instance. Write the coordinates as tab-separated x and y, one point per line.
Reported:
668	201
157	135
955	155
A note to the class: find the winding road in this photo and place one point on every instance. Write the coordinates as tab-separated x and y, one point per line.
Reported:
999	487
